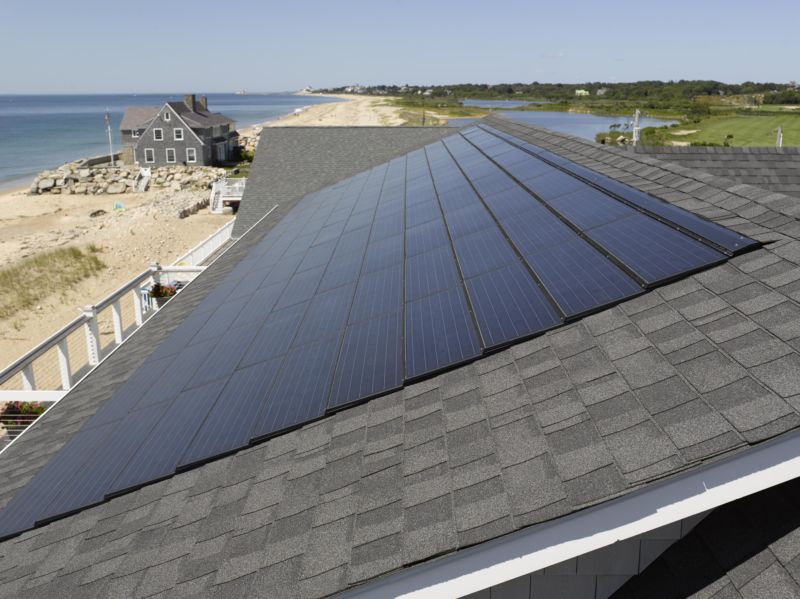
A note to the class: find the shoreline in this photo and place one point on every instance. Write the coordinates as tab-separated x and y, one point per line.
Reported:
23	182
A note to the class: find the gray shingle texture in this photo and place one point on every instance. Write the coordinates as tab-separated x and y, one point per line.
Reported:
663	383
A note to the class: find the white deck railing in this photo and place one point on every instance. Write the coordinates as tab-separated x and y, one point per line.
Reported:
71	352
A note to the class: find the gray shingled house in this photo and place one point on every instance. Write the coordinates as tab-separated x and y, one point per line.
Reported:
177	133
648	448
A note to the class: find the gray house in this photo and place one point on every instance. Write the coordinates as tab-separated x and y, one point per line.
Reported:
177	133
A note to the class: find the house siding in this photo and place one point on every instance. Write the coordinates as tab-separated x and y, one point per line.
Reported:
147	140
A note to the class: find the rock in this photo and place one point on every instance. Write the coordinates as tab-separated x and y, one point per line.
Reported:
55	190
84	172
116	188
97	213
46	183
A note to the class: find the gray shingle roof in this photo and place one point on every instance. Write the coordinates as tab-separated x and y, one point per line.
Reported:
666	382
138	117
747	549
200	117
776	169
328	154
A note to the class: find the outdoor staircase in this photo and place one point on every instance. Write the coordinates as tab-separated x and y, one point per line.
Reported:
144	180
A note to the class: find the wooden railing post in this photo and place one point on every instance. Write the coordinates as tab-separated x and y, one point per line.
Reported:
28	380
116	315
138	307
63	364
92	335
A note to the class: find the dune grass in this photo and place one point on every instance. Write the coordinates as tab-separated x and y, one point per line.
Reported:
30	280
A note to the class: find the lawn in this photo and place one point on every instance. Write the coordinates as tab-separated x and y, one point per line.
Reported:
746	130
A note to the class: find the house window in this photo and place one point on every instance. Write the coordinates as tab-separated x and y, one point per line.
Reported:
170	154
191	155
158	134
134	133
149	155
178	133
167	116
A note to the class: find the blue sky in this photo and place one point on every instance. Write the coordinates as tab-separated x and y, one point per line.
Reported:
88	46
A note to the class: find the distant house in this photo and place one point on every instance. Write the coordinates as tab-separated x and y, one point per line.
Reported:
177	133
582	92
602	91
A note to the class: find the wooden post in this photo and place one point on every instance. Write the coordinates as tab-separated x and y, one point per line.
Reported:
116	314
138	308
63	365
28	380
92	335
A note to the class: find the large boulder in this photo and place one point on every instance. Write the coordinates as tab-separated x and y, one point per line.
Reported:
115	188
46	183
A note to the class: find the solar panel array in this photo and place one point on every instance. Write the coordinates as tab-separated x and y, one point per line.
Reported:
414	266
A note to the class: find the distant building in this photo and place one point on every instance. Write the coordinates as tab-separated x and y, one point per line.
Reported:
602	91
177	133
581	92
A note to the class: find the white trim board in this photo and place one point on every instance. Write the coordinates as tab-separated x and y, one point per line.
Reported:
514	555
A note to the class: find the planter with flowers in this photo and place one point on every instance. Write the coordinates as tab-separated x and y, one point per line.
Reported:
160	294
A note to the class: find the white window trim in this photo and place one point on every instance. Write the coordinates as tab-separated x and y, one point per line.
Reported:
194	154
158	134
167	116
152	155
134	133
174	155
531	549
175	134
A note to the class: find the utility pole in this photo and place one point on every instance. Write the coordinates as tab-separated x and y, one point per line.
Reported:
423	110
779	141
110	144
636	128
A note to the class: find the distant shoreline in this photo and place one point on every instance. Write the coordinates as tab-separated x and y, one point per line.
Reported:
23	181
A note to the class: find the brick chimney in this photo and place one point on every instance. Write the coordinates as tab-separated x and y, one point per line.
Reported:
204	102
189	100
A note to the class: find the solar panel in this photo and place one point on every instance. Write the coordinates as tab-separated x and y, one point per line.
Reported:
483	251
394	274
169	437
439	332
509	305
229	423
370	361
431	272
301	388
654	251
579	278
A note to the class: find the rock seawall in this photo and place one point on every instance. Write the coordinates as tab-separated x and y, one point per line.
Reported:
75	178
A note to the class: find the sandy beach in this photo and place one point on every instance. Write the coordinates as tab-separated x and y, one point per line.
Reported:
147	230
350	111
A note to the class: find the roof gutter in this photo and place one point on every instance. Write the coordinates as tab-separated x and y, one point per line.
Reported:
520	553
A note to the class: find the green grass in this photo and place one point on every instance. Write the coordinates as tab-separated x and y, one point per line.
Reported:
29	281
746	130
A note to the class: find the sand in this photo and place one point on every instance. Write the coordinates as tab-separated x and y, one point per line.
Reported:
146	231
351	110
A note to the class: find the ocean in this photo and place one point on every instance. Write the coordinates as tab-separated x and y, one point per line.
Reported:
43	131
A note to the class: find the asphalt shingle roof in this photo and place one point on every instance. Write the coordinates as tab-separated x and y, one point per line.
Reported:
776	169
199	117
660	384
138	117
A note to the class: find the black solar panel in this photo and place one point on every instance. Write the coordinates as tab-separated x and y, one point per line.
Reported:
399	272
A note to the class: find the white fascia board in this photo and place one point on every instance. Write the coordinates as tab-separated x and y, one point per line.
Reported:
514	555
